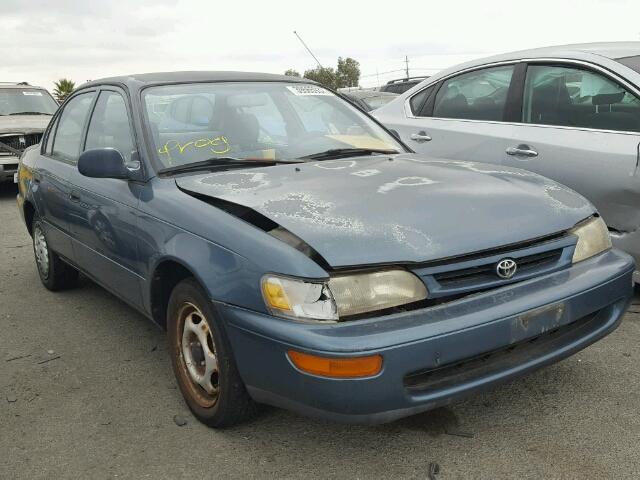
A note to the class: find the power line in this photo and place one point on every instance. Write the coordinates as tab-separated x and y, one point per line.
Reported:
381	73
308	49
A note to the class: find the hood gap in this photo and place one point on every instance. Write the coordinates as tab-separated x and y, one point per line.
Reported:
263	223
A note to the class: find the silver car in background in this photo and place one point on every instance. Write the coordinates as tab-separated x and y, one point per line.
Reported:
570	113
25	111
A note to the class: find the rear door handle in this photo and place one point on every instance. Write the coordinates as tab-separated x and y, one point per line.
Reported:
74	196
420	137
522	151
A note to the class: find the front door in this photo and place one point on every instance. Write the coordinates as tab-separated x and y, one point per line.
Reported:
582	129
55	166
461	118
105	237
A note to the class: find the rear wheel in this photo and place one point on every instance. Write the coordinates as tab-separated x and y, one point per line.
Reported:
54	273
202	359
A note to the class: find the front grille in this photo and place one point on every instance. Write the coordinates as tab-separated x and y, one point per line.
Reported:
488	272
19	141
476	273
501	359
9	167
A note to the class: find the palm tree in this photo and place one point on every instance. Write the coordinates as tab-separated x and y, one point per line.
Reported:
63	89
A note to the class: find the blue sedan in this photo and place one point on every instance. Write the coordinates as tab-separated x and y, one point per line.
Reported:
299	255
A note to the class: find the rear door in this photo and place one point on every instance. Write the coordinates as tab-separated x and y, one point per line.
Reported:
105	234
56	165
462	116
581	127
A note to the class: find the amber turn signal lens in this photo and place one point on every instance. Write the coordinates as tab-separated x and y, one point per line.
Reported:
350	367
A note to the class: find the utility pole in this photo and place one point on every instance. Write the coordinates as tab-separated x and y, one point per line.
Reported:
406	61
308	49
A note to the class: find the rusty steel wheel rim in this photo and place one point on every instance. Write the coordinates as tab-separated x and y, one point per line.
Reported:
41	250
197	357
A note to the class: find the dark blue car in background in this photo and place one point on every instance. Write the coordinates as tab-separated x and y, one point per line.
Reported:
299	255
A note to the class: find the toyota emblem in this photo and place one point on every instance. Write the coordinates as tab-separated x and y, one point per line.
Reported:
506	268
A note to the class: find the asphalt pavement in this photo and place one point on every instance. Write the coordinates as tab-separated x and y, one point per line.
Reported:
87	392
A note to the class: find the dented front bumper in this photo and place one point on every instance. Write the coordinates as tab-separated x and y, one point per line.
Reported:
434	355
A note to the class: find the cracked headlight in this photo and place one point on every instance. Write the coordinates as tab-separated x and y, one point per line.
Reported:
298	299
593	238
343	295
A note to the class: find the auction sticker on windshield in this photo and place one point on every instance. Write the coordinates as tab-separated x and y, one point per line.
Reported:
308	90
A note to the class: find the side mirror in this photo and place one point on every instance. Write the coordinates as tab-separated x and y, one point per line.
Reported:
102	163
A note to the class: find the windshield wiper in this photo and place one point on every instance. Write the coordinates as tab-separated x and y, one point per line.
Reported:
31	113
347	152
222	163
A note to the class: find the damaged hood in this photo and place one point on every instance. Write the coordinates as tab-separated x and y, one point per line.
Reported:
23	123
404	208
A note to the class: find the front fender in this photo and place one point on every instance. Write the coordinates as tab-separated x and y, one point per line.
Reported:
227	255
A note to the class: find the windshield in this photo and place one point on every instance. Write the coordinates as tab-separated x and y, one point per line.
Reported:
273	121
28	101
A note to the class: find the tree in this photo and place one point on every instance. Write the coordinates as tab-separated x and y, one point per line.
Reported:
63	89
346	75
348	72
324	76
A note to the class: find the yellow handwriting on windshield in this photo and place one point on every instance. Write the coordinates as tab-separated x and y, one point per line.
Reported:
218	145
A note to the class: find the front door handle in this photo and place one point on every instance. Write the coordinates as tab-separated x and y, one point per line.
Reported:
74	196
522	150
420	137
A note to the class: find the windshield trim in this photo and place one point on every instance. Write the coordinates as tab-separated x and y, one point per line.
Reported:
157	165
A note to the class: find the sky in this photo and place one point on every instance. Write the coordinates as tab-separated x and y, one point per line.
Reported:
42	41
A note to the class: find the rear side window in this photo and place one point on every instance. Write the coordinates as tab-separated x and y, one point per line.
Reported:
556	95
419	101
66	144
109	126
477	95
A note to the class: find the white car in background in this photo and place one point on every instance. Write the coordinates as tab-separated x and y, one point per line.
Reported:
570	113
25	112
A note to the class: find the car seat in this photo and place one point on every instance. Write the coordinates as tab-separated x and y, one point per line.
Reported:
551	103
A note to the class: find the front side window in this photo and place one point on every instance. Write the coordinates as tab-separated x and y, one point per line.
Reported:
255	120
555	95
26	101
109	125
50	135
477	95
68	135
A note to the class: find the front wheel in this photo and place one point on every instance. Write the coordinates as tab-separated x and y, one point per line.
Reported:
54	273
202	359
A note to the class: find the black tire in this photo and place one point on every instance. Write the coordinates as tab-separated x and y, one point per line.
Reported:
231	404
55	274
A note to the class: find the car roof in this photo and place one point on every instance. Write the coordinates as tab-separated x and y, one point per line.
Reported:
612	50
21	85
141	80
